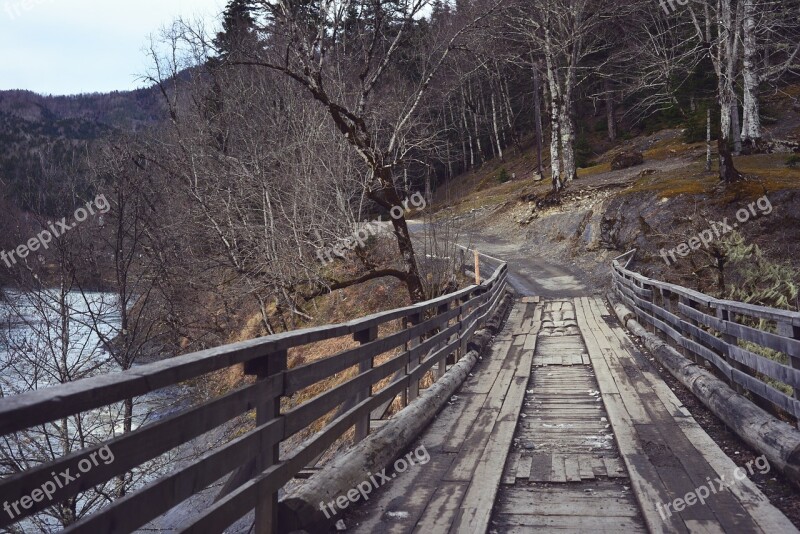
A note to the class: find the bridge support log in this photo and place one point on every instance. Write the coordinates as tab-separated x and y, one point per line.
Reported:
778	441
301	509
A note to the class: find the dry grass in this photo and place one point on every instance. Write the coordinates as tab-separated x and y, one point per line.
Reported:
692	180
670	148
600	168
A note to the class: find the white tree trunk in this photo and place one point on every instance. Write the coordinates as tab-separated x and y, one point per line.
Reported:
466	129
567	124
751	120
555	130
555	157
708	140
733	61
725	86
537	116
477	133
612	125
567	143
496	130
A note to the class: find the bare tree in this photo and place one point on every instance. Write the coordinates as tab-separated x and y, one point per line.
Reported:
354	76
569	36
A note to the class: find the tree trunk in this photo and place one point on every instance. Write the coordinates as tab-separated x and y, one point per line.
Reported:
477	131
537	115
708	140
751	120
735	127
727	172
494	125
466	129
387	197
733	60
727	96
569	172
512	131
612	126
555	130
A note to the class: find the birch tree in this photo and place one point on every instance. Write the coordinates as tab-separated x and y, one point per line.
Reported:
568	35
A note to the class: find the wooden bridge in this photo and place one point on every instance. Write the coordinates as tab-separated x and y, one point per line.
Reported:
564	425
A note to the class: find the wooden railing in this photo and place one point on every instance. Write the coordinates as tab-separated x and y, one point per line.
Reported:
733	337
433	330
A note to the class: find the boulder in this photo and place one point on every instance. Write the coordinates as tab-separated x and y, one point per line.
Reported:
625	159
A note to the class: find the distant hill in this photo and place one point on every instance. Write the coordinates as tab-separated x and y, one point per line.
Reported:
35	128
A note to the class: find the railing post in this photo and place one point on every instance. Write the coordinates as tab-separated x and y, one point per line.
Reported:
413	386
650	288
730	339
266	520
696	358
362	337
459	352
793	332
443	362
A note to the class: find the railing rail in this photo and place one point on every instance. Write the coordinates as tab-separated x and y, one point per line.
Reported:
432	331
733	337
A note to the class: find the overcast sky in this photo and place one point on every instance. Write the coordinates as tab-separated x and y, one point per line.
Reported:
82	46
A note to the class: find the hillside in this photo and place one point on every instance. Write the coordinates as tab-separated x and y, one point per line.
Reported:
38	131
652	207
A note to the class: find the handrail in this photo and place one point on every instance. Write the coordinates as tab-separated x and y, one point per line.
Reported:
432	332
734	337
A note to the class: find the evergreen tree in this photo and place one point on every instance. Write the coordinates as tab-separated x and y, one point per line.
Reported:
238	29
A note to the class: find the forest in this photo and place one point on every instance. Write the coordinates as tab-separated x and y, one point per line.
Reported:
264	144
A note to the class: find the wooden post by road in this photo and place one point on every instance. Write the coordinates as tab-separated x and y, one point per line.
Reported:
477	269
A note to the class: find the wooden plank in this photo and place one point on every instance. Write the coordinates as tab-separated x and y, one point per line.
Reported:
135	509
466	419
771	368
541	467
757	505
525	364
472	447
571	468
510	470
599	467
524	466
143	444
49	404
479	499
558	471
525	524
563	501
443	507
704	526
645	481
585	467
614	468
766	391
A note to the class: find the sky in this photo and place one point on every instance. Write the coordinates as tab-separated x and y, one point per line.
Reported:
63	47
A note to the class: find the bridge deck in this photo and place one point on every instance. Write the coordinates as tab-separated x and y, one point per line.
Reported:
526	443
